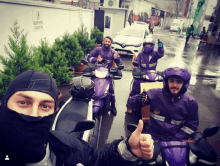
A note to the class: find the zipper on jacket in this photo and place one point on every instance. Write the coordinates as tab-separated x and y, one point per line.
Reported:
172	99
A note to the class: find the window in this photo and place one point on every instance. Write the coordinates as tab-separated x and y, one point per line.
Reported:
154	18
107	22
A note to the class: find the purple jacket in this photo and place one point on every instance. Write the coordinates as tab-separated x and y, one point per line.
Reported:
107	54
149	61
176	117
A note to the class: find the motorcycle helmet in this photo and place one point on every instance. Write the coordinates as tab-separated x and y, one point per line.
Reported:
83	89
150	41
179	69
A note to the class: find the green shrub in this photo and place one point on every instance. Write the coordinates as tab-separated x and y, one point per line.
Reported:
83	37
69	45
53	62
97	35
59	68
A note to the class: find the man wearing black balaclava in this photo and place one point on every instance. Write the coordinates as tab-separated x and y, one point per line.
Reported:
26	115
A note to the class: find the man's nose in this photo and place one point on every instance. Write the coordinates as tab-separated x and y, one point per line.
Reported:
175	83
34	111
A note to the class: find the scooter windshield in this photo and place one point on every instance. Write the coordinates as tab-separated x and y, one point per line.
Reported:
101	73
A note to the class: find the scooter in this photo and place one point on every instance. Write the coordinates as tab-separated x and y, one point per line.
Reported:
75	115
192	152
101	76
149	79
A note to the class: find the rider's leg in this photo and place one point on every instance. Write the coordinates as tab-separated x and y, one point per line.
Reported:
187	39
112	98
135	90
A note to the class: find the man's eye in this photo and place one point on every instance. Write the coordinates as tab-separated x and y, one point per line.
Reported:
22	102
46	106
179	81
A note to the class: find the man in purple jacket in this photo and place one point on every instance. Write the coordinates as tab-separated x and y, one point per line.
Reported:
174	114
105	52
147	60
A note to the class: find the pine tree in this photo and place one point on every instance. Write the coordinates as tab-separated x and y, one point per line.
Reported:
18	61
69	45
53	62
60	68
97	35
42	57
84	41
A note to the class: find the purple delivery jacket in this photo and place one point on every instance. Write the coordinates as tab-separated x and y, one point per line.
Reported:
175	117
107	54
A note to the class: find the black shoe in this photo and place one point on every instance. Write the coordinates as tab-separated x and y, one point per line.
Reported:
113	110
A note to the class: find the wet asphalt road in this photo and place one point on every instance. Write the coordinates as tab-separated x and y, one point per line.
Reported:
205	86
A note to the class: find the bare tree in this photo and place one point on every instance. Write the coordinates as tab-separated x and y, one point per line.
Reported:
180	5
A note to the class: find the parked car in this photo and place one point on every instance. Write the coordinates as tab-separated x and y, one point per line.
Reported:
139	23
155	19
130	40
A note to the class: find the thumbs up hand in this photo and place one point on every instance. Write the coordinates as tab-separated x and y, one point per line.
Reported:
141	144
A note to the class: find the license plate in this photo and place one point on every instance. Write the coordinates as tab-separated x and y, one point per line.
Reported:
122	52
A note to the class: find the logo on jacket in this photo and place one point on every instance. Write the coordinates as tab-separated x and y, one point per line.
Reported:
176	69
157	111
123	45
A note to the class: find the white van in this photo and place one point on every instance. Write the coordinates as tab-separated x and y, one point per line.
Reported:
177	23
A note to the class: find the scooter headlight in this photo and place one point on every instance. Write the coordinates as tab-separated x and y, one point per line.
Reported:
101	74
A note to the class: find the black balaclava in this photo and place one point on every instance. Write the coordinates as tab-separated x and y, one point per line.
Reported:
23	138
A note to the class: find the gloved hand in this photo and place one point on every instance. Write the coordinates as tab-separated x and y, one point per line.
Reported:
160	44
142	97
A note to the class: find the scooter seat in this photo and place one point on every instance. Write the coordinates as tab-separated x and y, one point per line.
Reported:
72	113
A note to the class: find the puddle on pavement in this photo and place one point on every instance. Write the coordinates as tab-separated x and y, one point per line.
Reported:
170	54
212	82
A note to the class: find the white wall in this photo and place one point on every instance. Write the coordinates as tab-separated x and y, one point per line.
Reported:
57	19
118	19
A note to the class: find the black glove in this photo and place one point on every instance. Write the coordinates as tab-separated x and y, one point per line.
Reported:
141	97
160	44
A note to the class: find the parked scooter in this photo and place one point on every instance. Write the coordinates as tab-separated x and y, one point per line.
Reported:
101	76
194	151
75	116
149	79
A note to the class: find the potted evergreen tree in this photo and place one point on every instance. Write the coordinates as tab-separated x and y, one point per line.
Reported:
97	35
69	45
86	44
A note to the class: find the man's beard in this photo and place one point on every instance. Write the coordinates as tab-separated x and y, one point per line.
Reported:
106	46
174	94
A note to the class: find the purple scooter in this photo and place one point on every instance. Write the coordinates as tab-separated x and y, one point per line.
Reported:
195	151
102	78
144	78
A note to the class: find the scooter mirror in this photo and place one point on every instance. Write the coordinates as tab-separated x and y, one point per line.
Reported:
210	131
131	127
84	125
120	67
135	64
84	61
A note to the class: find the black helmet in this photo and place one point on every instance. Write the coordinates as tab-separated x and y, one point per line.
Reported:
83	89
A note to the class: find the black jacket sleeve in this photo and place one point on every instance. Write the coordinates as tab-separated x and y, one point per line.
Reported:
70	150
